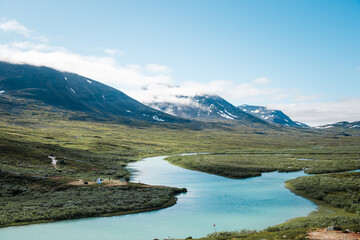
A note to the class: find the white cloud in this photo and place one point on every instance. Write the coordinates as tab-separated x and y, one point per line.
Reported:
26	45
111	51
14	26
320	113
157	69
103	69
114	52
261	80
306	98
230	90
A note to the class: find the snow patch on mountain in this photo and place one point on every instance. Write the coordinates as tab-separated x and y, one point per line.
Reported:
270	115
158	119
204	107
221	113
230	114
349	125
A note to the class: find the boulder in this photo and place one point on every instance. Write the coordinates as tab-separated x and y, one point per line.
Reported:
330	228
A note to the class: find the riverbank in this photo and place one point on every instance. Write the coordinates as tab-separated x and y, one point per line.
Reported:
251	163
28	200
171	202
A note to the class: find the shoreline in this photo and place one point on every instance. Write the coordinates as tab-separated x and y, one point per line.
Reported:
321	207
170	203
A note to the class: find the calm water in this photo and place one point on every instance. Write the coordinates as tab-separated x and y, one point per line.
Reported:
253	203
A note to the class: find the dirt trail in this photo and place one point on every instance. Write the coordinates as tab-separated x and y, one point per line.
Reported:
106	183
322	234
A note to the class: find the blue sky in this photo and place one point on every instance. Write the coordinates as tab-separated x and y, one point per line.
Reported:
300	56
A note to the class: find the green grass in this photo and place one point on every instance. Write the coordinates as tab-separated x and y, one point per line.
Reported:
298	234
338	190
250	163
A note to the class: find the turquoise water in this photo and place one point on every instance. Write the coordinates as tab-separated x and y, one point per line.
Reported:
253	203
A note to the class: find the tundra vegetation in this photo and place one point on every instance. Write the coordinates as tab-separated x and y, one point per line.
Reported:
33	190
251	163
26	199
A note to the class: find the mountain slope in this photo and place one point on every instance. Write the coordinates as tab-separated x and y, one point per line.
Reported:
348	125
207	107
273	116
73	92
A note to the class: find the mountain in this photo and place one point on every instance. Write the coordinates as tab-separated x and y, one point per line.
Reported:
349	125
206	107
68	91
273	116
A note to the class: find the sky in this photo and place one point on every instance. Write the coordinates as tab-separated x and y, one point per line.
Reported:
302	57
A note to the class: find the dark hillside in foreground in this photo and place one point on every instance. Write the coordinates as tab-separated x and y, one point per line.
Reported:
72	92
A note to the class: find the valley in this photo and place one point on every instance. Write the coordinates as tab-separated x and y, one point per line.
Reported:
99	132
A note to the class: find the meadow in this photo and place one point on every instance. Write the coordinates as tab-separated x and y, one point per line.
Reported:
251	163
101	149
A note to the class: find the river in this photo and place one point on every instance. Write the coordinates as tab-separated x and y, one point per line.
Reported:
230	204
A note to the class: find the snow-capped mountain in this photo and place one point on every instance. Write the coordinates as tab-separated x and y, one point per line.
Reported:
205	107
71	92
349	125
273	116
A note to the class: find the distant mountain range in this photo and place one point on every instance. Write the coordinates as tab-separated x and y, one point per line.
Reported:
25	87
72	92
215	107
273	116
208	107
348	125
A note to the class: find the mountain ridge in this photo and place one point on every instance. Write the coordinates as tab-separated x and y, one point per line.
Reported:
342	124
74	92
273	116
207	107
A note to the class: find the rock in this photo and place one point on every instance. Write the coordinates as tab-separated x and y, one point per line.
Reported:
180	190
330	228
189	238
62	162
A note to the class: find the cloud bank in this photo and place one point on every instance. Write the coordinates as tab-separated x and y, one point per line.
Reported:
321	113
